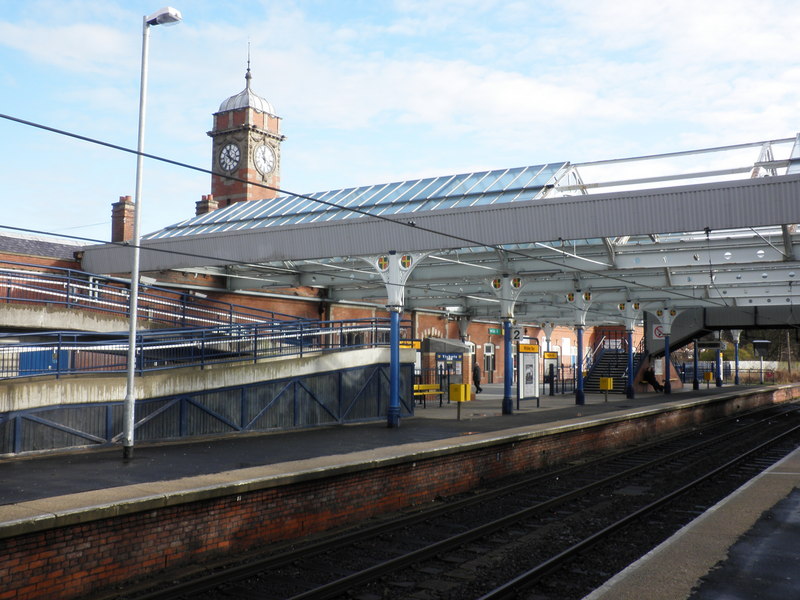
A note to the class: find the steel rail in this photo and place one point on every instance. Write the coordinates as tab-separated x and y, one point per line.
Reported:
335	588
512	588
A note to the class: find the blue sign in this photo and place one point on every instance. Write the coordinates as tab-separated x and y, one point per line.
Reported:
448	356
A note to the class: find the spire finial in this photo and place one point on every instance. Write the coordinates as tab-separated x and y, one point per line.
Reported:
247	76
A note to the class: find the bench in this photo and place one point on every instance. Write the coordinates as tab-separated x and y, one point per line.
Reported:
428	389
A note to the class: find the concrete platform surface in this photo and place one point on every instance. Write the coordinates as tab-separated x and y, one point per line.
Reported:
38	476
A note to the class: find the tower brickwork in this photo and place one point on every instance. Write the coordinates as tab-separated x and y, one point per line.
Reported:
246	149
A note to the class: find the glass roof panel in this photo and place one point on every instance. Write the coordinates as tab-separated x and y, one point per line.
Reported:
373	196
417	189
395	191
506	178
430	193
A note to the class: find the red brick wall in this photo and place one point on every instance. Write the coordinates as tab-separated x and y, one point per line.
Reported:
71	561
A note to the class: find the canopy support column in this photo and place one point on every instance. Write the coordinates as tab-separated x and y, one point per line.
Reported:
507	290
667	317
508	368
629	388
393	413
667	361
580	396
581	301
630	313
395	270
736	333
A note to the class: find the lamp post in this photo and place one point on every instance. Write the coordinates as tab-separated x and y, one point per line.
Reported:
164	16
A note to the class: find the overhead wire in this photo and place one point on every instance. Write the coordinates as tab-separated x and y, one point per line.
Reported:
465	240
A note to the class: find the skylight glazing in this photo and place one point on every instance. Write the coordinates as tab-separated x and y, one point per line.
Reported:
437	193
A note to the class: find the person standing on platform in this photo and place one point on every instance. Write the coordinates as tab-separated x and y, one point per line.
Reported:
476	378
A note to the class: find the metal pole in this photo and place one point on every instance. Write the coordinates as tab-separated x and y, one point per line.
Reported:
393	413
736	362
508	375
696	380
629	388
580	397
667	384
719	368
788	353
129	419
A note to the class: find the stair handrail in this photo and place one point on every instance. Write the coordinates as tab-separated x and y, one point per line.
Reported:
26	283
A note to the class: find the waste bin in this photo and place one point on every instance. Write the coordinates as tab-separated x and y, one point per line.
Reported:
459	392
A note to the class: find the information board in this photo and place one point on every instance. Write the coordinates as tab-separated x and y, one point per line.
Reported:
528	371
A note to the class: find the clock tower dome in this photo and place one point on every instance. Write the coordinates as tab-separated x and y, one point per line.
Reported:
246	145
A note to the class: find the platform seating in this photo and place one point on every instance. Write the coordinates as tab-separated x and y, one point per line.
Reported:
423	390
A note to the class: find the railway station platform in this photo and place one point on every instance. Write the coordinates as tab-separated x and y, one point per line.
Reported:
83	497
38	477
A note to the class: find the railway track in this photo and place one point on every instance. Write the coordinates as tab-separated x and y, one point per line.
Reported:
557	534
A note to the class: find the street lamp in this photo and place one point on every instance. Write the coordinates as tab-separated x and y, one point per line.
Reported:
164	16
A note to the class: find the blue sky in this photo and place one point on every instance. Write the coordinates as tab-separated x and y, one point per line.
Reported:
375	91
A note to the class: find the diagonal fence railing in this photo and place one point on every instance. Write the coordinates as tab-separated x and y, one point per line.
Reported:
22	283
62	353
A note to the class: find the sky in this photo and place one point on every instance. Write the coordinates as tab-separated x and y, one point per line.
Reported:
374	91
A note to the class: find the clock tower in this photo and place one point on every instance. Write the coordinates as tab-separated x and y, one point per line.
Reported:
246	145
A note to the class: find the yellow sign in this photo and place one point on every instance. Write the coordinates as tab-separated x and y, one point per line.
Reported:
528	347
607	383
551	355
416	344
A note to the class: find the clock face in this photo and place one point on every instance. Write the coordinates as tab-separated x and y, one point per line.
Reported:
265	159
229	157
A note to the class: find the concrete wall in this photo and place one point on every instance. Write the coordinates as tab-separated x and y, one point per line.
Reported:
36	392
47	317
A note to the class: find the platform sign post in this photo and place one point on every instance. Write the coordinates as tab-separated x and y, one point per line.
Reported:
528	365
761	347
551	362
606	385
448	365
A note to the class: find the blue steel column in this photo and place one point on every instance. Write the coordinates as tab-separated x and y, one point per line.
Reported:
393	414
667	384
719	368
696	380
580	397
629	389
736	361
508	375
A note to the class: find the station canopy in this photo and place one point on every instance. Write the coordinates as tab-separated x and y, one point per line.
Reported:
711	228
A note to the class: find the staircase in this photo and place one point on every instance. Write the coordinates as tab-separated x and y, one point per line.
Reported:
610	363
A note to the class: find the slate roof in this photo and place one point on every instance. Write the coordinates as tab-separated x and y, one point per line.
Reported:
30	245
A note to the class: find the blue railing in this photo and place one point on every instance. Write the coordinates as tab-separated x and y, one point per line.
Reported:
22	283
69	352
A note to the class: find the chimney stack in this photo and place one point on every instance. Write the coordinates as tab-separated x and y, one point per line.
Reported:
206	205
122	216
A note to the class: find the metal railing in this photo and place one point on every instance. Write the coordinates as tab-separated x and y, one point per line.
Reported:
22	283
69	353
